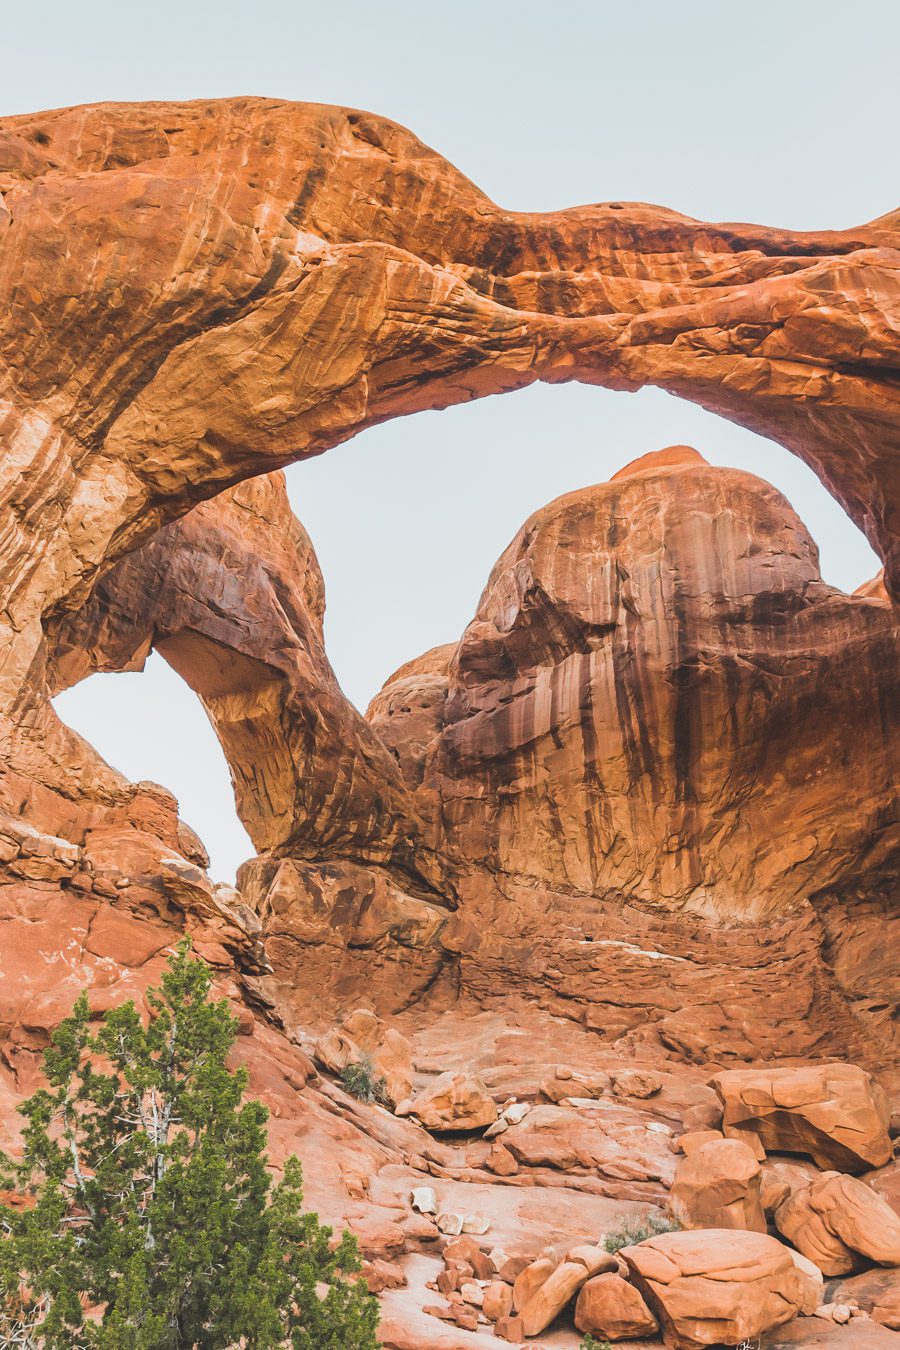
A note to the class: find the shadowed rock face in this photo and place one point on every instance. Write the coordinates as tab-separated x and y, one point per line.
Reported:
660	721
659	697
232	596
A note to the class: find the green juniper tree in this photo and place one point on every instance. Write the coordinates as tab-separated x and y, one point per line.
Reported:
148	1201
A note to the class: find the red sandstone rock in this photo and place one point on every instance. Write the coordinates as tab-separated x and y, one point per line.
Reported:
835	1112
552	1295
497	1302
573	674
719	1286
779	1179
689	1143
510	1329
887	1310
530	1280
608	765
453	1102
836	1220
718	1186
363	1034
611	1308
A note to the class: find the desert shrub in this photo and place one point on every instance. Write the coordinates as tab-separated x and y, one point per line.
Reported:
362	1082
632	1231
146	1197
589	1343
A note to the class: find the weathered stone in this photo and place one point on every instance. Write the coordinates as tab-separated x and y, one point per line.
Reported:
689	1143
529	1281
497	1301
552	1295
454	1101
610	1307
636	1083
718	1186
835	1112
838	1219
718	1287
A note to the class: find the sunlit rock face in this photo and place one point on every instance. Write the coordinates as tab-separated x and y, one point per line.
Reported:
659	697
660	721
642	815
192	294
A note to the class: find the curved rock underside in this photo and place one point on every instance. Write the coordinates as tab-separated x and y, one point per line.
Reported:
644	808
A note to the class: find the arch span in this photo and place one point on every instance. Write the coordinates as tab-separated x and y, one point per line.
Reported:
195	293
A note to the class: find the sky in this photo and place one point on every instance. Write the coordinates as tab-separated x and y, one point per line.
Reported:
781	112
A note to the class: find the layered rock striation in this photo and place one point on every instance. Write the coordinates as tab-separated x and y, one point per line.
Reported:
639	823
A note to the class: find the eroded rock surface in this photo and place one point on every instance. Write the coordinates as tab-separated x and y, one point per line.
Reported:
632	725
836	1113
638	823
718	1286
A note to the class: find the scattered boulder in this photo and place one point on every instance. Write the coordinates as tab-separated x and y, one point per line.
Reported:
887	1310
814	1276
639	1083
497	1300
466	1249
718	1186
509	1268
779	1179
501	1162
380	1275
529	1281
703	1115
454	1101
840	1313
424	1200
510	1329
552	1295
610	1307
567	1083
544	1289
363	1036
838	1219
719	1286
471	1292
836	1113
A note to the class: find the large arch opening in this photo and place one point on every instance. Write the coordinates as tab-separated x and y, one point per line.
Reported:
408	519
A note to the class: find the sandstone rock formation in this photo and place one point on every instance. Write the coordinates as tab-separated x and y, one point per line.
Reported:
596	727
719	1287
609	1308
593	748
553	1293
232	596
718	1186
837	1220
641	819
364	1039
167	351
834	1112
454	1101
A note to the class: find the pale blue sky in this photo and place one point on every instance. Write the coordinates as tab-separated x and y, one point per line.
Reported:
777	112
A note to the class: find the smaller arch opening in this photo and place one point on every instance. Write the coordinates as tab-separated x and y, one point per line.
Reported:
149	725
